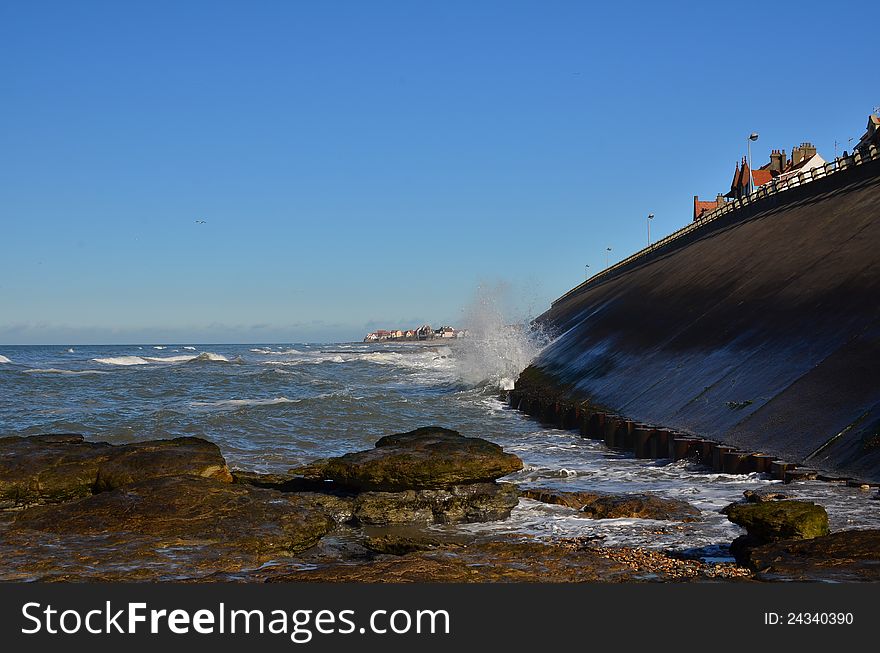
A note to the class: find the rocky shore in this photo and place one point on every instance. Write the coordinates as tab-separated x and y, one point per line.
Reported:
72	509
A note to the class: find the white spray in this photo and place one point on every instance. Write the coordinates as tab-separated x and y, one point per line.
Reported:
495	350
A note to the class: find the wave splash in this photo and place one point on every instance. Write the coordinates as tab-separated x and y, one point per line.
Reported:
495	350
3	359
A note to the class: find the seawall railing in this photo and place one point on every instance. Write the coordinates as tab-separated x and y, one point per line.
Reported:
773	187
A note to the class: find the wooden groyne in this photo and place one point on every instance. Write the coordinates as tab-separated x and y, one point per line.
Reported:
656	442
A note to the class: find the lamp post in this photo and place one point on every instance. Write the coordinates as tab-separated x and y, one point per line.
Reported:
607	251
752	137
586	271
650	217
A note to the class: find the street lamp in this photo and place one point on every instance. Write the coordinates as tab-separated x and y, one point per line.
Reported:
607	251
650	217
587	271
752	137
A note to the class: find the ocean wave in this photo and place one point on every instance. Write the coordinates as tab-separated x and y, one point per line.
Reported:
207	356
3	359
127	361
190	348
159	347
53	370
311	360
238	403
276	352
438	359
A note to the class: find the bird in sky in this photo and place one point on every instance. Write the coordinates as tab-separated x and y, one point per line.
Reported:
201	221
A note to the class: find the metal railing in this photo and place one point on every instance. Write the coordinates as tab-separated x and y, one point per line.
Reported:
777	185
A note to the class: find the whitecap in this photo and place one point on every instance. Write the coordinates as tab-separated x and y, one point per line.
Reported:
205	357
3	359
146	360
169	359
53	370
70	350
159	347
190	348
238	403
279	352
122	360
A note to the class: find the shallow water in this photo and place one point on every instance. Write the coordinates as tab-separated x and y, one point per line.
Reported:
272	407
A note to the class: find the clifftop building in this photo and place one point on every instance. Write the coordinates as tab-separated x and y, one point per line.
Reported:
803	157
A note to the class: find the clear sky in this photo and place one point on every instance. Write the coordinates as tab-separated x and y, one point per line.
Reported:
366	165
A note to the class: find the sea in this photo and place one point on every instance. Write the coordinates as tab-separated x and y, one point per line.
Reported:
272	406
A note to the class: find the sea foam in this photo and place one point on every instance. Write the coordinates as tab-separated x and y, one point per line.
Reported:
3	359
238	403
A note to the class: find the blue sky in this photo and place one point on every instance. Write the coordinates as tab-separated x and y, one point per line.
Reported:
368	164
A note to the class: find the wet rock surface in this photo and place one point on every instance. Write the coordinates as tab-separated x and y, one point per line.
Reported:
141	461
615	506
46	469
474	502
511	560
175	511
171	510
847	556
426	458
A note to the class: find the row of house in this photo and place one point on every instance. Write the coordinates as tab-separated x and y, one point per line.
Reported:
780	167
803	157
424	332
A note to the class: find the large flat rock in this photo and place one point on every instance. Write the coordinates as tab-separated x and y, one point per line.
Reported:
427	458
181	511
47	469
846	556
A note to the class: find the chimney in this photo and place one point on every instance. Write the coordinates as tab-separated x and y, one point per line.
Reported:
776	163
797	155
719	200
808	149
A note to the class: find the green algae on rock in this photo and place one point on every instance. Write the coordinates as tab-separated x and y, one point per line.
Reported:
426	458
778	520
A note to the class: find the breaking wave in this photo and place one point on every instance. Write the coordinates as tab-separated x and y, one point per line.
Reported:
53	370
3	359
127	361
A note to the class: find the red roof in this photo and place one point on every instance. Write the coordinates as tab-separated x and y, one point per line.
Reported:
703	207
761	176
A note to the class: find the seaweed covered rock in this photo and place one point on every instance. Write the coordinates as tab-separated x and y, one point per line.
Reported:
779	520
46	469
184	510
847	556
473	502
426	458
140	461
616	506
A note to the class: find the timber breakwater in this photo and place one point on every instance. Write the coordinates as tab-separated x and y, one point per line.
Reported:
749	339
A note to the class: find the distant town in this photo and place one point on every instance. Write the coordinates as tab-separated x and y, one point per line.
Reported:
424	332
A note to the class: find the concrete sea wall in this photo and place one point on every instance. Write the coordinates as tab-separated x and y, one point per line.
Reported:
760	330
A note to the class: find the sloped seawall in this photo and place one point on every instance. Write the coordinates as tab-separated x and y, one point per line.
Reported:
760	330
